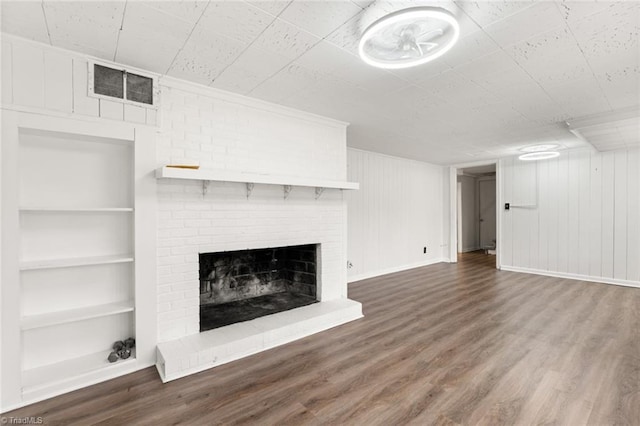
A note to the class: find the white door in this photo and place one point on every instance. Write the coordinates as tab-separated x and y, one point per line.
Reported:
487	199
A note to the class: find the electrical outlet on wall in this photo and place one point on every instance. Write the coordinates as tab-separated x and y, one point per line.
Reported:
424	250
349	264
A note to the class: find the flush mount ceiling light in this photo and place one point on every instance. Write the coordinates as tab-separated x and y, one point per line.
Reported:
541	155
409	37
540	148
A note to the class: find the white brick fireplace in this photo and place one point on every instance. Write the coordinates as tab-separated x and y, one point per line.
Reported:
146	261
240	135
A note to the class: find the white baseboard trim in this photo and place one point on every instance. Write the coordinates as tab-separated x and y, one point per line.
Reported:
386	271
48	392
579	277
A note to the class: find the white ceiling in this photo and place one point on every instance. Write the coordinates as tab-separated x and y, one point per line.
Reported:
520	70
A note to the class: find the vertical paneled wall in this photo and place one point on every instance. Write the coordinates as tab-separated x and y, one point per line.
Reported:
37	76
395	214
577	215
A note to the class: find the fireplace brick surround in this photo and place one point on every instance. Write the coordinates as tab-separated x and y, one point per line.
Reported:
232	133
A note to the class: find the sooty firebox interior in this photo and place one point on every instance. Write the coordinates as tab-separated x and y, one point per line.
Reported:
241	285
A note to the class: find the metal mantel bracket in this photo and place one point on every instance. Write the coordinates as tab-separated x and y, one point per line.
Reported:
287	191
319	192
249	189
205	187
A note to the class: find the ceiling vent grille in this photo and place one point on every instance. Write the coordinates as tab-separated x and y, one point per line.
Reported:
119	83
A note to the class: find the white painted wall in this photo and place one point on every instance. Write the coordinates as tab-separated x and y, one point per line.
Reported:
581	217
397	211
37	76
468	239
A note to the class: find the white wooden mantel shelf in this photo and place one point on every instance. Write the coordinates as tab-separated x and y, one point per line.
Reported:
250	179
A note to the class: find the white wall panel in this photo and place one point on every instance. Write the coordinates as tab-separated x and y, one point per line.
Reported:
620	216
587	219
563	213
584	209
58	85
82	103
54	80
552	211
395	214
633	216
607	213
6	63
28	76
574	211
595	218
544	216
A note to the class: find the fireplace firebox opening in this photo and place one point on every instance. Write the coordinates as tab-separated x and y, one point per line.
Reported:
242	285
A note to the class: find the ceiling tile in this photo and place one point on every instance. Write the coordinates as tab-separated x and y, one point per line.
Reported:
273	7
24	19
234	19
418	74
469	48
286	83
579	97
496	72
363	3
284	39
575	10
319	18
488	12
347	36
621	86
323	57
242	76
87	27
517	28
187	10
205	56
609	38
150	38
457	89
557	47
329	59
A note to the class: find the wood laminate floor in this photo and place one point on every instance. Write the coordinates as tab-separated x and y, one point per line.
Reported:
443	344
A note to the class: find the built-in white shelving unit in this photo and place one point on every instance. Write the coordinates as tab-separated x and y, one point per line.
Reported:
78	253
76	221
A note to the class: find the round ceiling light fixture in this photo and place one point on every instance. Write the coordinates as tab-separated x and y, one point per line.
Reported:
540	148
409	37
539	155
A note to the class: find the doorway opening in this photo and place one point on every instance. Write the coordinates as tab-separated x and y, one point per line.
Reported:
476	215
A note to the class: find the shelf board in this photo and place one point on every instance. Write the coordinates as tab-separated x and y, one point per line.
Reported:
76	209
74	261
227	176
71	369
72	315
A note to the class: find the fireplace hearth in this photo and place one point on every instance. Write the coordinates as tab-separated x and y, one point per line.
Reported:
242	285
